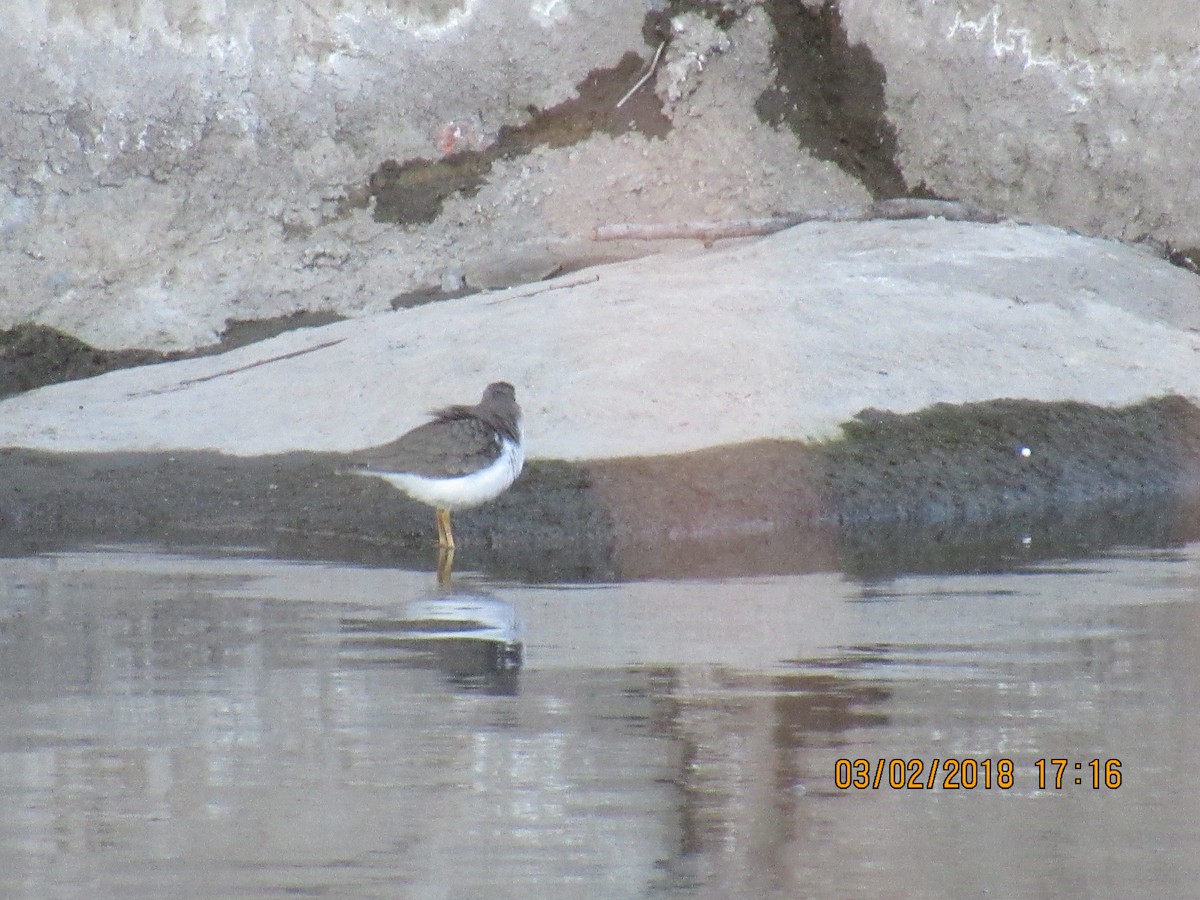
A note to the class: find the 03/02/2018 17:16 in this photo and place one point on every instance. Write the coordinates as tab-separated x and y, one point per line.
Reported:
969	774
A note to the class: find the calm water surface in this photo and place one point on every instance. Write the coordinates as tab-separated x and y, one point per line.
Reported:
225	726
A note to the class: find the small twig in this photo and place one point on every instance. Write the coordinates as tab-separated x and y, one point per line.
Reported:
541	290
644	78
186	383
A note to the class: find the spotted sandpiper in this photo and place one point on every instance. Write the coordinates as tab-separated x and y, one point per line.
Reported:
466	456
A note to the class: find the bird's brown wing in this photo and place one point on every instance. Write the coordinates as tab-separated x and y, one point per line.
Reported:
443	448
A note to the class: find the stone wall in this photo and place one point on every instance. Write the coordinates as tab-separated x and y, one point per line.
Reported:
1085	115
168	166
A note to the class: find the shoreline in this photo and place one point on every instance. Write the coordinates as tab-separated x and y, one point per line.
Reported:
949	475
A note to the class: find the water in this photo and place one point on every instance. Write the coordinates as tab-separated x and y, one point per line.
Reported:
226	726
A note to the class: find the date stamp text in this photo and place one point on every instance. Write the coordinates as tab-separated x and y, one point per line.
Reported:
956	774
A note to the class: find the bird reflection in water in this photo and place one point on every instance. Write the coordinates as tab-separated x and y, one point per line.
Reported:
469	636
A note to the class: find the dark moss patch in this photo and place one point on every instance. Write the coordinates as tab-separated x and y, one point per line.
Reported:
413	192
422	296
241	332
830	94
33	356
966	463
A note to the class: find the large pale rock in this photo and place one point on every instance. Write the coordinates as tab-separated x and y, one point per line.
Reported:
780	337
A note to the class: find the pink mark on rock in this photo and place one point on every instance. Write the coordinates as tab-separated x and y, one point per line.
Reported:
454	137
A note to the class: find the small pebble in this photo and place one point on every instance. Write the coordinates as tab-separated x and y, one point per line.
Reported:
453	280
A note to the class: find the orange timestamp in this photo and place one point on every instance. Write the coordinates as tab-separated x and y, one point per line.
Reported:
952	774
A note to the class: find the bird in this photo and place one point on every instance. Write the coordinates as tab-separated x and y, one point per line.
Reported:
464	457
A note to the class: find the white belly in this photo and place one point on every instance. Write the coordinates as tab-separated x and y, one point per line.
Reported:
466	490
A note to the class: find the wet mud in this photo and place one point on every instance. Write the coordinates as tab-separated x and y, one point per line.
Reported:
916	492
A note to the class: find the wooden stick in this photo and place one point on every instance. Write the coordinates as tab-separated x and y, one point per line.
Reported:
703	231
653	63
900	208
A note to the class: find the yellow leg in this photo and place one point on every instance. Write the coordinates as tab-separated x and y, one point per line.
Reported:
445	535
445	565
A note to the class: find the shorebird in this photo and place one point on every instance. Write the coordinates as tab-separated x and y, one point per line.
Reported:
465	456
